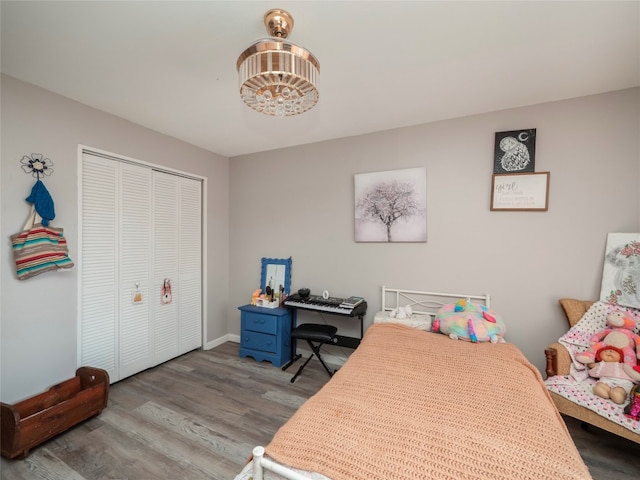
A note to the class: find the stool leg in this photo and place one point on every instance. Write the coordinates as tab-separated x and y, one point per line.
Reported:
316	350
293	379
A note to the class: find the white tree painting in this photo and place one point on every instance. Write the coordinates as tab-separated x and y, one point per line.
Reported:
391	206
621	272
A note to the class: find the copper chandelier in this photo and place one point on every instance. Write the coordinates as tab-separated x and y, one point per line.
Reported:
277	77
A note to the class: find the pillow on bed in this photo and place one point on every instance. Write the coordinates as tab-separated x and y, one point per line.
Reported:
421	322
469	321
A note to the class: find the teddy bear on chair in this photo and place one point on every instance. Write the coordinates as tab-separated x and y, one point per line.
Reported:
619	333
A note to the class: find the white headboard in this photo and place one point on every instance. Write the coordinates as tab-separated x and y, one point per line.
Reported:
424	303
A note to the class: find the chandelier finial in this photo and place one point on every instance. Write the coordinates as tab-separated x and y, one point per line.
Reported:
279	23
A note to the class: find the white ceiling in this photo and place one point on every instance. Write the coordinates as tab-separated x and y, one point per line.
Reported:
171	65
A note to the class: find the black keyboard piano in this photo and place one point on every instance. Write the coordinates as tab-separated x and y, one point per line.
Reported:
331	305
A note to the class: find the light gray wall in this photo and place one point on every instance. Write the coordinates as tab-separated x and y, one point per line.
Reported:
39	315
299	202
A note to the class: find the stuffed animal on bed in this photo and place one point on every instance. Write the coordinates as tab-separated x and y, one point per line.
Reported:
468	321
401	313
619	333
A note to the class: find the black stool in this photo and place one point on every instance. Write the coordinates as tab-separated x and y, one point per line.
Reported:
318	333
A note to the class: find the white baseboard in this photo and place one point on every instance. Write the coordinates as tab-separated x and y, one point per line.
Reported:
230	337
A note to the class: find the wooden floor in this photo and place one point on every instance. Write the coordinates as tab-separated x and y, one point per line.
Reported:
193	418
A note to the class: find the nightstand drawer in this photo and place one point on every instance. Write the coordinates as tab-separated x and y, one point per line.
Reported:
257	322
260	341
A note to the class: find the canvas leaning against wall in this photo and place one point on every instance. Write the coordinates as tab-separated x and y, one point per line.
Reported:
391	206
621	272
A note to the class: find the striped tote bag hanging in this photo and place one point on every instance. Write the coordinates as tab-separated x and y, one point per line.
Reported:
38	249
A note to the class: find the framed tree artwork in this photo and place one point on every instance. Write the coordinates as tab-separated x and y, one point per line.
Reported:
391	206
515	151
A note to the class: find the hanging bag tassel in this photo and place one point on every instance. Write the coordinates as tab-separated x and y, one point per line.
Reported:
38	249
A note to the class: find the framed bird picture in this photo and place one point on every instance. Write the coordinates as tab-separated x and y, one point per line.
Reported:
515	151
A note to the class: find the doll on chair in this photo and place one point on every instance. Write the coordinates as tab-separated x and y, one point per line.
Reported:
615	379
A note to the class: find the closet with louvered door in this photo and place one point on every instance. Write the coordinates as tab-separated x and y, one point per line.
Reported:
140	232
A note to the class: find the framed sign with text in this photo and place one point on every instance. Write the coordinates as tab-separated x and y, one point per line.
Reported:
520	191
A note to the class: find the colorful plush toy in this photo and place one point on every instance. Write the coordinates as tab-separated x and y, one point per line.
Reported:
465	320
615	379
255	296
633	407
619	334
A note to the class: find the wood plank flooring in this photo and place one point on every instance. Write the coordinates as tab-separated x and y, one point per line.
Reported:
199	416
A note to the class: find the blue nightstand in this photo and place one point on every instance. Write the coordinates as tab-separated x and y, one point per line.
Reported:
265	334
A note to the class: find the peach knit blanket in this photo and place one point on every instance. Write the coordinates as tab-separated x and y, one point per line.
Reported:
410	404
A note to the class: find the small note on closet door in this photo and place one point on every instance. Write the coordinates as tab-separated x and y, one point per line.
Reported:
136	295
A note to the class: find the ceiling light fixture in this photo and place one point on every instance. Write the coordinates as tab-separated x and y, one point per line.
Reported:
277	77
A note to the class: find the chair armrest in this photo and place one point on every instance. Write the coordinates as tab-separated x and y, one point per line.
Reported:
558	360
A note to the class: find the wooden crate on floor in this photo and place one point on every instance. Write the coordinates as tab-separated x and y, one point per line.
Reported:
30	422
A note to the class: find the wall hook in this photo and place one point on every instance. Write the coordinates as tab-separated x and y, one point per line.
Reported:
37	165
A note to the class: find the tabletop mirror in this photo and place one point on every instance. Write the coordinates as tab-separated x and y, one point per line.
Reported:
276	274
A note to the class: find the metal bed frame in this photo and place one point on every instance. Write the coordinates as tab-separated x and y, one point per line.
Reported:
423	303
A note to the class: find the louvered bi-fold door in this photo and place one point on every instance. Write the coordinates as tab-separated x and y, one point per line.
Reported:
116	240
165	266
98	323
190	265
139	228
136	249
177	259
